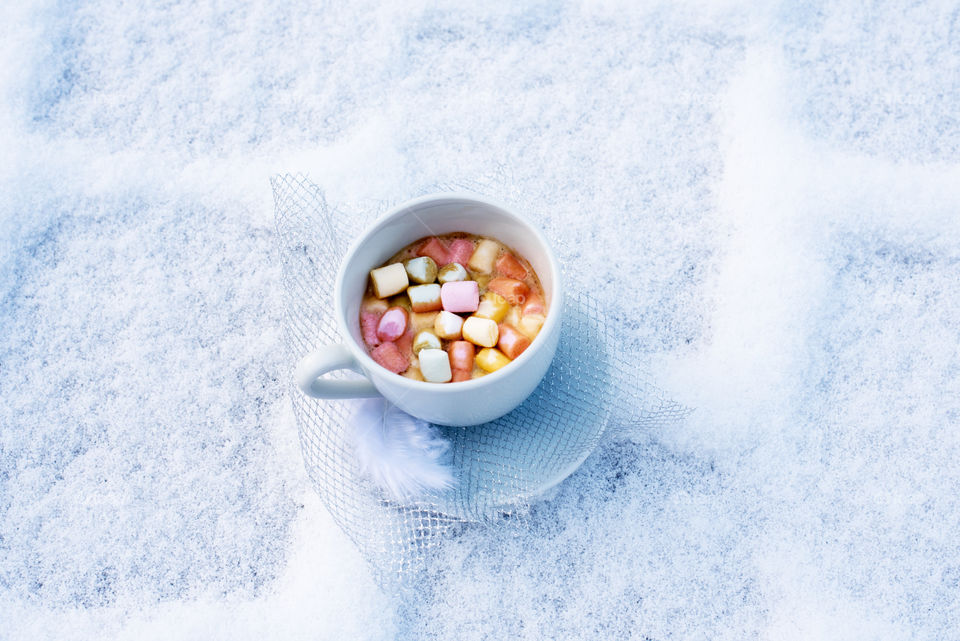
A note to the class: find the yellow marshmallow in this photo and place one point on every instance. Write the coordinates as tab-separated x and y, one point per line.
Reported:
484	256
513	316
490	359
481	331
530	325
493	306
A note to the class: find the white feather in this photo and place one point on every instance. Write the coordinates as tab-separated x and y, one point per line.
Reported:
401	454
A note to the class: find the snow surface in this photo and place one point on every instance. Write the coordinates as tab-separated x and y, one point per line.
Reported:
765	197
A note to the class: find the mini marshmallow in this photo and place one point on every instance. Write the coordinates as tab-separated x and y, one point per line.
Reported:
405	342
534	305
484	256
461	355
490	360
392	324
424	298
425	340
452	272
389	356
369	321
389	280
510	267
460	375
461	249
515	291
493	306
460	296
435	366
511	342
436	250
512	317
480	331
448	325
422	269
530	325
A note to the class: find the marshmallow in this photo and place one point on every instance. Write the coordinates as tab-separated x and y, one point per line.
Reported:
436	250
480	331
493	306
484	256
530	325
422	320
389	356
490	360
460	375
368	327
425	340
460	296
405	342
389	280
510	267
421	270
461	355
451	272
461	249
424	298
392	324
513	316
515	291
448	325
511	342
435	366
534	305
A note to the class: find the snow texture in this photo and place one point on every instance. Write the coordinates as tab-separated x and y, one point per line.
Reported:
764	197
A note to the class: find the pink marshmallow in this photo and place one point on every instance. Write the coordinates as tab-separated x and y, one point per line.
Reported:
461	249
368	327
392	325
460	296
389	356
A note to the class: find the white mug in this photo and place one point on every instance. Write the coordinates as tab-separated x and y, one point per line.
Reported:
463	403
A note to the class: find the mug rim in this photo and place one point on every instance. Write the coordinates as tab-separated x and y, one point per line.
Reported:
366	361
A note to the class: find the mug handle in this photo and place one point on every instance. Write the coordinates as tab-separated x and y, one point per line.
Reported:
326	359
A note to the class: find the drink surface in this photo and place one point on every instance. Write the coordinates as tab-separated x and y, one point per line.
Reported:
451	308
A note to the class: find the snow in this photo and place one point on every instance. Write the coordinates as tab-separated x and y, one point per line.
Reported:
779	184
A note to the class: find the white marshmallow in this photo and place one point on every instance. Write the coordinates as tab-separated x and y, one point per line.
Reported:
421	269
435	365
425	340
424	298
447	325
389	280
452	272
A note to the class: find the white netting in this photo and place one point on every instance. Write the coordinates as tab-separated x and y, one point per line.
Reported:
500	466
